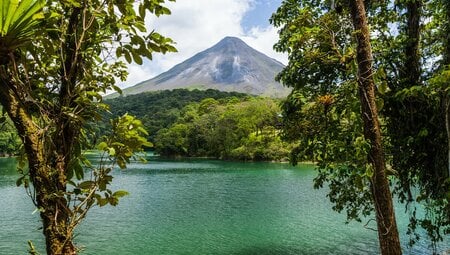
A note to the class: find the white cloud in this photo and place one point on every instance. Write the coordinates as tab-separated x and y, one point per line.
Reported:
263	39
196	25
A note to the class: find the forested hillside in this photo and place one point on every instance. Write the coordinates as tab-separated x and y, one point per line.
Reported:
208	123
244	129
161	109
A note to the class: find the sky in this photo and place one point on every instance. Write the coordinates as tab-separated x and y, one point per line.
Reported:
196	25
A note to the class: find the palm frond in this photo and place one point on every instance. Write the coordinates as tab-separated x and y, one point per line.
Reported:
18	20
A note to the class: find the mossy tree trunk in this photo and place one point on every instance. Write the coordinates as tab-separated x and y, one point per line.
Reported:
48	185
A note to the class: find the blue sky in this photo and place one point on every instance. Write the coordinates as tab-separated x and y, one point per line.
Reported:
259	14
196	25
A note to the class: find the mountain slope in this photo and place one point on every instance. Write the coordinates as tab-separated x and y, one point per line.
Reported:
230	65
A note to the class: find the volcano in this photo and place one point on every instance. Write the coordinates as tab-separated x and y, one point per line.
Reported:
229	65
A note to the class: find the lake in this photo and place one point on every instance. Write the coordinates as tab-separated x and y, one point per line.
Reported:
195	206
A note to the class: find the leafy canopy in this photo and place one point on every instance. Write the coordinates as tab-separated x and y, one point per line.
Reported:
57	59
322	114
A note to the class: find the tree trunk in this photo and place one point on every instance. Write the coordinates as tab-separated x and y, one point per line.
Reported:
56	216
410	76
446	62
447	126
49	190
384	210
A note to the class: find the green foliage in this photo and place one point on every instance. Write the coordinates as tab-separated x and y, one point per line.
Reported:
245	129
9	140
328	131
173	141
55	64
9	143
161	109
420	149
356	179
322	114
117	148
420	156
320	51
263	146
18	21
127	138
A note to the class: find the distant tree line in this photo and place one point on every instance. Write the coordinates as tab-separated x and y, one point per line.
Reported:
243	129
160	109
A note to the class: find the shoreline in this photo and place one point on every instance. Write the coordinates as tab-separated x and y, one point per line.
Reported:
232	160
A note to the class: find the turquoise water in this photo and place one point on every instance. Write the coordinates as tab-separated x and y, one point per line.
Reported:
202	207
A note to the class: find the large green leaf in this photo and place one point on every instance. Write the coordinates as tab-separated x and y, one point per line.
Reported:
18	20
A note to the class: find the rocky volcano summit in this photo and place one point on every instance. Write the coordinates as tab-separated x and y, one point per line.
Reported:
230	65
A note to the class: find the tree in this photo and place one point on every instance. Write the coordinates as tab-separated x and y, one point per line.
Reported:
326	79
416	98
382	199
56	58
173	141
446	62
322	112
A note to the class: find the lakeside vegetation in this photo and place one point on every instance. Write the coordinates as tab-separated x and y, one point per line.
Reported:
209	123
245	129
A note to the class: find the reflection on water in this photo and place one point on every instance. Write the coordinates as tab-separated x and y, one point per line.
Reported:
203	207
